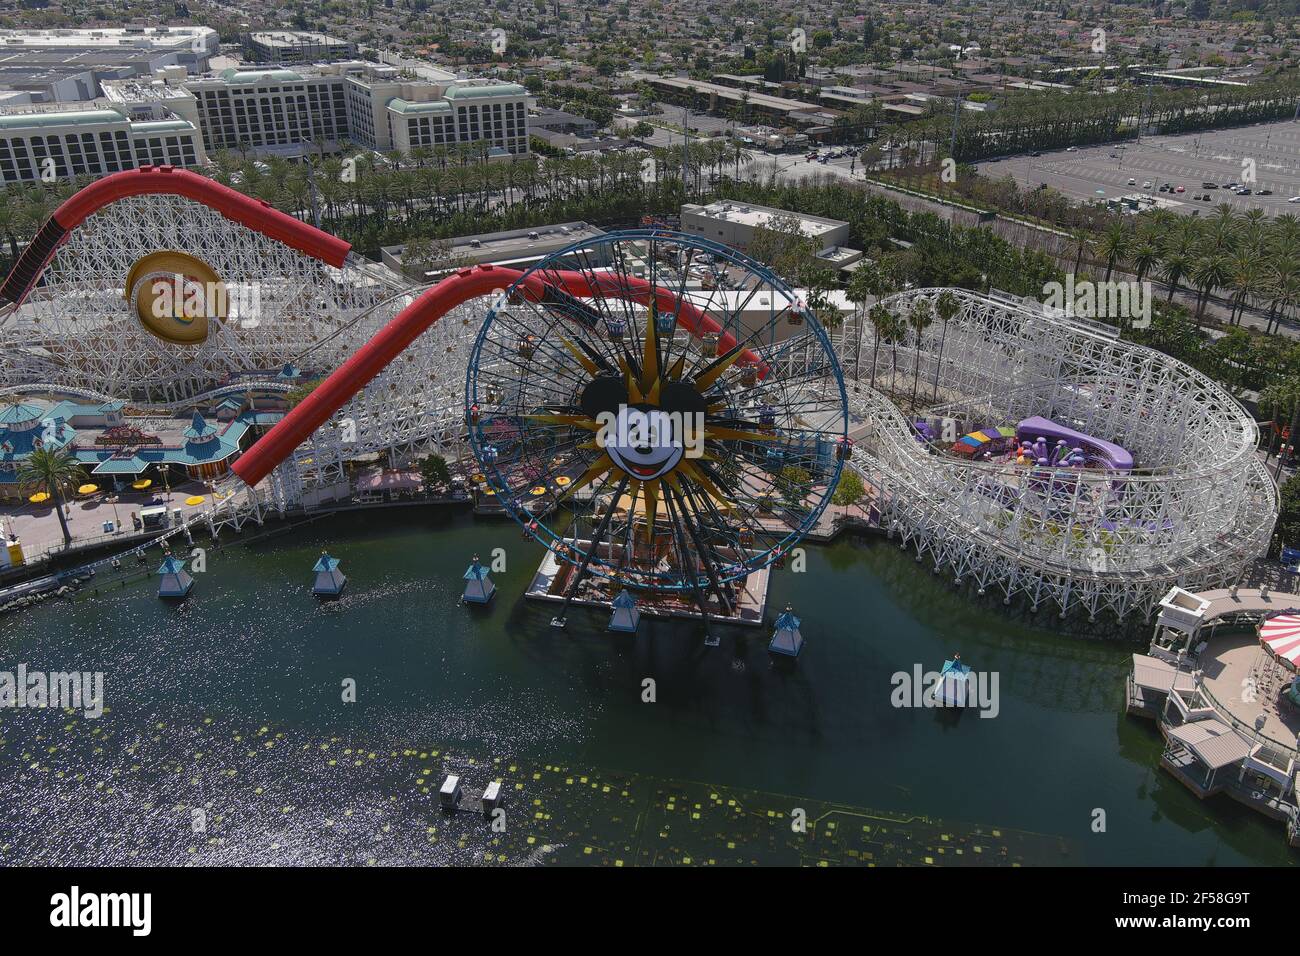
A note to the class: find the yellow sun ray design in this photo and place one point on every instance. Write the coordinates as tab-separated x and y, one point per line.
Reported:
645	389
592	369
688	468
704	381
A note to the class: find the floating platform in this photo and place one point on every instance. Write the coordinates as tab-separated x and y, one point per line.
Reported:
551	582
329	581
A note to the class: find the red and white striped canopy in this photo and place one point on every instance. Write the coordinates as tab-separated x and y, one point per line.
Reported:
1281	635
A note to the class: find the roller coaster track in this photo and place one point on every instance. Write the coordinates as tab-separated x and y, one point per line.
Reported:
1199	512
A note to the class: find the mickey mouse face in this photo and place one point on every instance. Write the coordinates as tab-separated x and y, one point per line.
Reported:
643	439
644	442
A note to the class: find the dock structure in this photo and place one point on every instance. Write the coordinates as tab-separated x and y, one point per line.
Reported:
553	578
173	582
1220	701
329	581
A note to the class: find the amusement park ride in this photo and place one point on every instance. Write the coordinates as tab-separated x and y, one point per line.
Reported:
750	399
656	432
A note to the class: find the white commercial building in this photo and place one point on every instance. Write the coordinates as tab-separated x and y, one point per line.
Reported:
188	46
297	46
93	140
734	223
368	104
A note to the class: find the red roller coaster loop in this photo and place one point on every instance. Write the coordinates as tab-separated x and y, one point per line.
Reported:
235	206
369	360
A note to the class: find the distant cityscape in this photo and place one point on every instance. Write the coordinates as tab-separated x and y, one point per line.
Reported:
89	98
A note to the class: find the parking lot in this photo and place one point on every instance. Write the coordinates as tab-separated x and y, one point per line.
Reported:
1187	160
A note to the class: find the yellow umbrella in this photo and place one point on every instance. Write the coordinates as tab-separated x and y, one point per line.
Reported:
87	489
142	484
194	500
39	497
539	490
563	480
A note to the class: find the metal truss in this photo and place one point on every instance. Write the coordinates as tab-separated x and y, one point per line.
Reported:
80	328
1196	510
414	407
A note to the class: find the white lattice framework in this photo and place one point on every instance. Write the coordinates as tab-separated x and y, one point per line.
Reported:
414	407
77	336
79	327
1198	507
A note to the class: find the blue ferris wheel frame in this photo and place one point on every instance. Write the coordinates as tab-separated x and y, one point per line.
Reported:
540	531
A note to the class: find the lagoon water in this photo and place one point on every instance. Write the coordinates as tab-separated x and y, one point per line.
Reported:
227	740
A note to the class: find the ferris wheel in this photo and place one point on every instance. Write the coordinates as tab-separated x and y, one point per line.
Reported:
658	410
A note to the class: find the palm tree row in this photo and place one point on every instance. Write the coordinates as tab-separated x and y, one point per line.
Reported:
1053	120
351	196
1252	259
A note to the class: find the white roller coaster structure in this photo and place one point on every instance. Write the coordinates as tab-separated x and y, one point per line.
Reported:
1198	507
1196	510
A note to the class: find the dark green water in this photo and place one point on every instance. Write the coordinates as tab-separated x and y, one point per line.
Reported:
197	692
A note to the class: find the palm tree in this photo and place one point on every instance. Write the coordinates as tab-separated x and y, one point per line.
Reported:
886	327
919	318
1081	238
1114	244
1279	398
1247	281
53	471
859	288
1173	266
1283	289
1146	255
946	306
1208	273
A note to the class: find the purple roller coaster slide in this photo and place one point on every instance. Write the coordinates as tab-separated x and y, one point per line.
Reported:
1115	457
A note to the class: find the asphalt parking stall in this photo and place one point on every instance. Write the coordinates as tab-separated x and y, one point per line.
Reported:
1187	160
